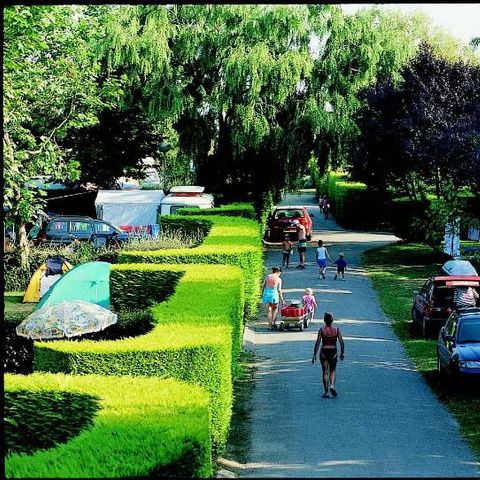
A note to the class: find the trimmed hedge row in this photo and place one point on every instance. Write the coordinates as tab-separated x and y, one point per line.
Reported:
143	427
244	210
351	203
197	335
231	241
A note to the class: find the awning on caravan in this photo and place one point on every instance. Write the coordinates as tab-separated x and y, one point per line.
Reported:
123	207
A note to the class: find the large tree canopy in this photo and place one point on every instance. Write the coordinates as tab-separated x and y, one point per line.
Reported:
50	86
423	135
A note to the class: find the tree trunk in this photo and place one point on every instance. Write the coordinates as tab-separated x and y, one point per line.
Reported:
21	235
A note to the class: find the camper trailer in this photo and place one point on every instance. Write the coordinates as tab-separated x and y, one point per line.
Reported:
129	207
185	196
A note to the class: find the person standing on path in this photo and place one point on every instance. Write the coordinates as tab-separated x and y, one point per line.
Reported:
322	254
328	336
271	294
287	249
302	242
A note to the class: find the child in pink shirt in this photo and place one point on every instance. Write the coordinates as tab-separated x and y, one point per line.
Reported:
310	302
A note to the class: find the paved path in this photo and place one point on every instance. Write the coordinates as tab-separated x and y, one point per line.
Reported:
385	422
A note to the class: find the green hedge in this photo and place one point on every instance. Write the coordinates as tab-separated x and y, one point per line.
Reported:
133	290
142	427
197	334
244	210
351	204
231	240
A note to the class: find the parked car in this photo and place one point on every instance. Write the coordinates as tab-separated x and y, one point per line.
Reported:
64	229
433	304
458	346
280	223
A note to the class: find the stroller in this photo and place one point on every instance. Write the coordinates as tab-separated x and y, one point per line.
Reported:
294	315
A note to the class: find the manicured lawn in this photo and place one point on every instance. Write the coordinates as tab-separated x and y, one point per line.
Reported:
395	271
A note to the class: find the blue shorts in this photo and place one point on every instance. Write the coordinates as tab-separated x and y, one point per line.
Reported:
322	262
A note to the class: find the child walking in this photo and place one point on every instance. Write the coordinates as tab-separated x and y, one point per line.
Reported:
310	302
287	249
341	266
322	255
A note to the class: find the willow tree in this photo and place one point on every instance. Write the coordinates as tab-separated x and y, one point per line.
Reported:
50	86
357	51
226	77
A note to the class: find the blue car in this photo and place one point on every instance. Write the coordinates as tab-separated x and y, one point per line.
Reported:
458	347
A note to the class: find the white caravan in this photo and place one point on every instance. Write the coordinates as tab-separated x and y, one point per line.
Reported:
185	196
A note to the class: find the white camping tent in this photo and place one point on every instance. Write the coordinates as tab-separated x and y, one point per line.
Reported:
129	207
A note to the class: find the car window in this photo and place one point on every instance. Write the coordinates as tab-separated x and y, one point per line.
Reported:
426	288
57	226
469	331
450	326
443	296
81	227
105	228
288	214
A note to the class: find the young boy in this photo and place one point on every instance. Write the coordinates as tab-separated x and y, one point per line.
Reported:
287	248
341	265
322	255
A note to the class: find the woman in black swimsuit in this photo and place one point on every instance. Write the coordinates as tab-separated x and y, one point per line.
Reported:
328	336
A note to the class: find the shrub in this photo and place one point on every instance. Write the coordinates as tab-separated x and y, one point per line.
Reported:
352	205
197	333
18	351
133	290
167	239
231	240
244	210
143	427
43	419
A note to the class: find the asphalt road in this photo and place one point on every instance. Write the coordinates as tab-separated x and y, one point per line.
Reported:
385	422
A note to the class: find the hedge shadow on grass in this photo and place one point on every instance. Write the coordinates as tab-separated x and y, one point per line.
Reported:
196	338
142	426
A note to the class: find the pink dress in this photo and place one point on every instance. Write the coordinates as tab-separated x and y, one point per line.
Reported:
308	302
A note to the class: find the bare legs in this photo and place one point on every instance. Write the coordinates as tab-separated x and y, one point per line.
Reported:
271	310
329	376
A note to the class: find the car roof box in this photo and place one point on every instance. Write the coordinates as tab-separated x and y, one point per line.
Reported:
459	267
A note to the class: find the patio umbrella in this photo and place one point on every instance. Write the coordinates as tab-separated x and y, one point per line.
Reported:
66	319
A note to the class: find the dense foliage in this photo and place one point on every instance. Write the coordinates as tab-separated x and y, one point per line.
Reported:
423	135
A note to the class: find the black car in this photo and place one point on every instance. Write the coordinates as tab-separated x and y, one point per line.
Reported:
64	229
458	347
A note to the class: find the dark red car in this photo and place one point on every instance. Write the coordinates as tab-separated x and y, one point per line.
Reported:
280	223
433	304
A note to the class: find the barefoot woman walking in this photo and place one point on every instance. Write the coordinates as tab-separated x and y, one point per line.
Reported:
271	294
328	336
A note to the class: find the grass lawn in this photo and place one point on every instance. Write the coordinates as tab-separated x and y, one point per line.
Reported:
395	271
14	308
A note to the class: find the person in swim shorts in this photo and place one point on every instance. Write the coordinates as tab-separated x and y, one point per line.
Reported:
328	336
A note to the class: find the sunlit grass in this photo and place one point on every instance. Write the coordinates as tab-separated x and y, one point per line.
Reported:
396	270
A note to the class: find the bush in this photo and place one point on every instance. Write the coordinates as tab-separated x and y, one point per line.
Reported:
167	239
133	290
197	333
231	240
352	205
244	210
62	416
143	427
